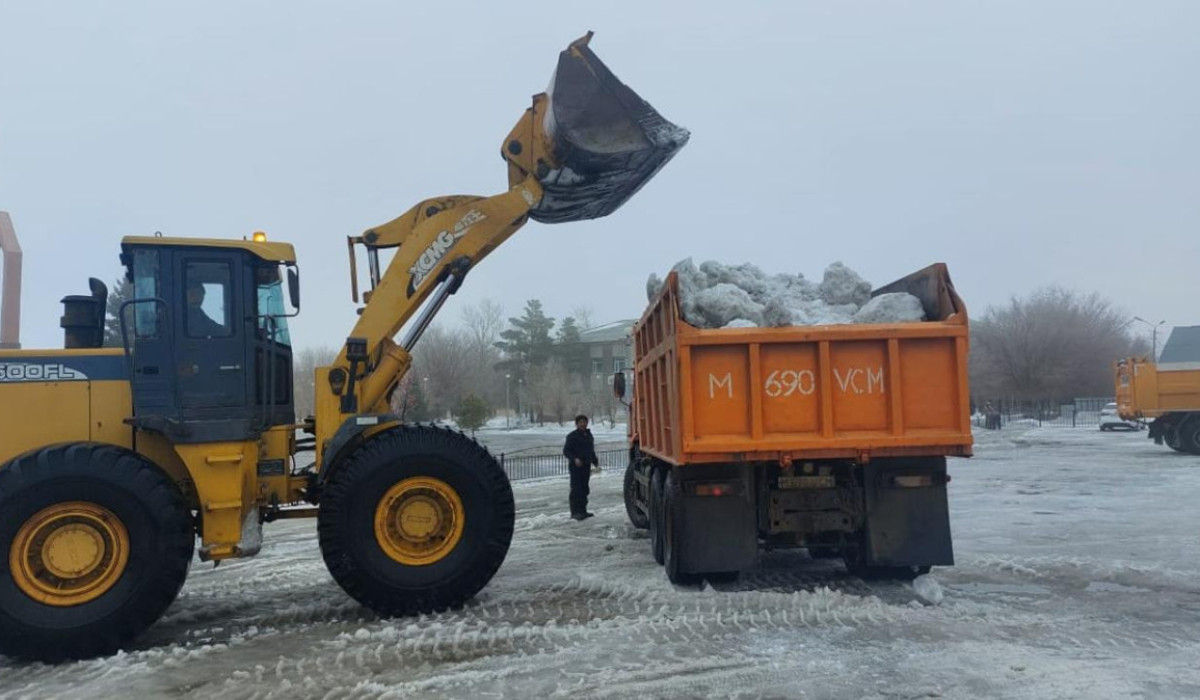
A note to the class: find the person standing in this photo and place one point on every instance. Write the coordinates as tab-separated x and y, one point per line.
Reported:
580	451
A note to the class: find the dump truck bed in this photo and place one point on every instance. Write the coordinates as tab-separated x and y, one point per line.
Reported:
804	392
1146	390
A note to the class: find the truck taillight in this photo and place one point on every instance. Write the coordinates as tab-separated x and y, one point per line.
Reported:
914	481
714	489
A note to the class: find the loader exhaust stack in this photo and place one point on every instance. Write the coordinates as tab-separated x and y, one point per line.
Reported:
600	142
10	297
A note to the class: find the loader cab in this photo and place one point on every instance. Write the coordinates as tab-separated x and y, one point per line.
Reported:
206	336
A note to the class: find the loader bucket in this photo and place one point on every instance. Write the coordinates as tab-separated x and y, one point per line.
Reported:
606	140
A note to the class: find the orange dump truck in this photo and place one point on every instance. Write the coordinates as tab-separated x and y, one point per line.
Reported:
832	438
1167	391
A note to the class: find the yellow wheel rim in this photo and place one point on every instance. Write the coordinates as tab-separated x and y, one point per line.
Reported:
419	521
69	553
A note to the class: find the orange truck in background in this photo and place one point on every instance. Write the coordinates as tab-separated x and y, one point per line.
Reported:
1168	391
833	438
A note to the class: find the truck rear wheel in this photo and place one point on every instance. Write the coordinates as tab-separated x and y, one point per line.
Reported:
1172	438
416	520
655	503
672	516
636	517
95	543
1188	435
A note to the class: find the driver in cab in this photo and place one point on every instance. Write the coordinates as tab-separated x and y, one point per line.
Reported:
199	325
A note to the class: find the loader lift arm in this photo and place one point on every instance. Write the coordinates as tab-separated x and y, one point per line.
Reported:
582	149
439	240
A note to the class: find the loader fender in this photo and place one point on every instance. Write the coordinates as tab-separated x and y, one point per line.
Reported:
352	431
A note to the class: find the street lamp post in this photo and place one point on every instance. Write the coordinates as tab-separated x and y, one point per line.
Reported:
507	410
425	395
1153	336
520	391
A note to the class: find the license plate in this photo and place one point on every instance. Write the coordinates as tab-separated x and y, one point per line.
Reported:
806	482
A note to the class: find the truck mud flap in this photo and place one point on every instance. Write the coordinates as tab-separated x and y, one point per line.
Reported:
720	533
908	519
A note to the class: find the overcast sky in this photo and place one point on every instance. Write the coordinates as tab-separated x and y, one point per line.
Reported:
1022	143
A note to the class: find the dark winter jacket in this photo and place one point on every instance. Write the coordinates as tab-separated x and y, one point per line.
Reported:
580	445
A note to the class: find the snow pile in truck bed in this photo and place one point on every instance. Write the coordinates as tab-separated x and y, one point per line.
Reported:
716	295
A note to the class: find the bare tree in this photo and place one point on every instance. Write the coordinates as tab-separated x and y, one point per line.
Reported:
408	400
584	317
483	322
303	373
442	363
553	393
1055	344
599	401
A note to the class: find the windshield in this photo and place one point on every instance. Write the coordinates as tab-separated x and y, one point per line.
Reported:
272	322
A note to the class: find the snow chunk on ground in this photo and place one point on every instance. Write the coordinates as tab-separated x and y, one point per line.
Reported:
896	307
928	589
844	286
741	323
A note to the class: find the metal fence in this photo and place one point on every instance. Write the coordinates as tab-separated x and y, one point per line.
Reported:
999	413
1077	413
535	466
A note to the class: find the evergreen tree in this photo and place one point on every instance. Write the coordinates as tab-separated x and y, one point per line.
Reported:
527	342
120	292
471	413
568	347
568	332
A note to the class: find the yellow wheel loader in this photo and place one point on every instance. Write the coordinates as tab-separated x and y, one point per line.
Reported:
114	460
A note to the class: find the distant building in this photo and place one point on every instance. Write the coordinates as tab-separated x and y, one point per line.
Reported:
1182	351
607	349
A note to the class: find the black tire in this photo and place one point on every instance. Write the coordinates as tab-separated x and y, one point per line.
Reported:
655	501
825	552
160	542
346	522
719	577
1188	435
636	517
672	515
855	559
1172	438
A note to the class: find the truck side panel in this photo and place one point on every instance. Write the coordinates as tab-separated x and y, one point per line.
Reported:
1178	390
783	395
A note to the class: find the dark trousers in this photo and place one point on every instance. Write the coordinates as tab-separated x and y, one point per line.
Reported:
579	487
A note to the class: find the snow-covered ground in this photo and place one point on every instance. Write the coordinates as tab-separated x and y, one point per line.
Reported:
1078	576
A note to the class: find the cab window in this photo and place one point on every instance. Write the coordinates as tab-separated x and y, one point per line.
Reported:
145	286
272	320
207	287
